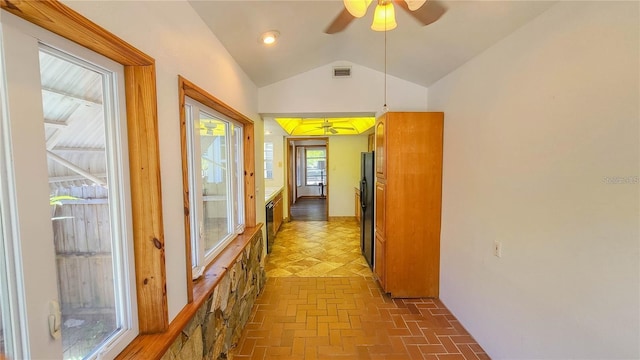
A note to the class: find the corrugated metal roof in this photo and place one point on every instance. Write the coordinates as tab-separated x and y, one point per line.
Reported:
72	99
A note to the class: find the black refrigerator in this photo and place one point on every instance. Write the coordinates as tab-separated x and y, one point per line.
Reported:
367	185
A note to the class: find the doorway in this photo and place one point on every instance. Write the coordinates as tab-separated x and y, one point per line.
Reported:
307	177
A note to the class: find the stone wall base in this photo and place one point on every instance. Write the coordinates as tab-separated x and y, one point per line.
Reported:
216	327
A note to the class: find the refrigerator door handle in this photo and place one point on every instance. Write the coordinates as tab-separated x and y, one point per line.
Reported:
363	193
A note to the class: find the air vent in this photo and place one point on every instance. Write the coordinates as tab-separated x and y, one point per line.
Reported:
342	71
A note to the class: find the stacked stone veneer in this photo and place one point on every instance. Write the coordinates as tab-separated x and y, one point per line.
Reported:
216	326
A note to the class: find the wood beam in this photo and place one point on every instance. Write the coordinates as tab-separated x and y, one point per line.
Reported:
78	149
55	123
57	179
75	168
77	98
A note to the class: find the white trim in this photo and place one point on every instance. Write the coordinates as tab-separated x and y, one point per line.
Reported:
116	150
15	334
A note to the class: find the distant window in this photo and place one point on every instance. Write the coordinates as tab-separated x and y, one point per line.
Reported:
268	160
315	169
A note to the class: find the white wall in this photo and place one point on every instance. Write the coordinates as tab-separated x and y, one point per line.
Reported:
316	91
533	127
173	34
344	172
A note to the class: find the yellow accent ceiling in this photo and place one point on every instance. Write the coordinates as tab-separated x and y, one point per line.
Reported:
326	126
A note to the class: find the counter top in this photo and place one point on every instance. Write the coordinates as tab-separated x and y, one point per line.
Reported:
271	192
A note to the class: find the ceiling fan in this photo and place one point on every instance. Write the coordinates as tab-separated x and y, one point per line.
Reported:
327	127
425	11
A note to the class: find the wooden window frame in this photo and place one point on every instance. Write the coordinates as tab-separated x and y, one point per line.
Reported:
189	89
144	161
144	164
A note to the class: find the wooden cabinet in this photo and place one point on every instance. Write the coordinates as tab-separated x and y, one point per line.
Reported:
278	212
380	146
379	263
380	208
371	142
408	203
358	209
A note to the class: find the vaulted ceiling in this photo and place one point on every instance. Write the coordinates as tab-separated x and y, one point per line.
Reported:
418	54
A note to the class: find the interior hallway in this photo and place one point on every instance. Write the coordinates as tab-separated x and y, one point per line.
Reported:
309	209
320	303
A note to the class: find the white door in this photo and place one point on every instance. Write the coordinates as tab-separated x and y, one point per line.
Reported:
65	140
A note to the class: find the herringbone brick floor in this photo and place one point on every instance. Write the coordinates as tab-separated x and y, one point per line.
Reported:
349	318
317	249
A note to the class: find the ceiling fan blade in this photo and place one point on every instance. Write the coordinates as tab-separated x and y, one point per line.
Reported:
427	14
309	131
414	4
340	22
342	128
333	131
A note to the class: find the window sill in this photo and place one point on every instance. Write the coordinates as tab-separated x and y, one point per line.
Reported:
153	346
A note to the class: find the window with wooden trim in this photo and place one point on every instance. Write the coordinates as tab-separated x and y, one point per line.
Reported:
77	159
215	166
146	199
244	147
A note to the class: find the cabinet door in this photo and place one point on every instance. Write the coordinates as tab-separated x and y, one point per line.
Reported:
277	213
380	208
380	260
380	146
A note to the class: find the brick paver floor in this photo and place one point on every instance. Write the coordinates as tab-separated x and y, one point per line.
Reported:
347	317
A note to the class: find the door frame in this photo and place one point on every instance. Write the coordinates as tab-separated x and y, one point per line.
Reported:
292	165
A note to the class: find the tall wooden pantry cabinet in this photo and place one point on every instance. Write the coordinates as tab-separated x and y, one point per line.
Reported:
408	150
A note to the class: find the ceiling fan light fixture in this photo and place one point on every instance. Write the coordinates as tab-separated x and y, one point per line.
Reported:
357	8
384	18
269	37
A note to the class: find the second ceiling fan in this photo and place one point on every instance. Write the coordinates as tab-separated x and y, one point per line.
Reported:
327	126
425	11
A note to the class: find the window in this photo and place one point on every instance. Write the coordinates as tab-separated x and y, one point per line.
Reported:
268	160
10	341
215	167
88	197
315	169
68	146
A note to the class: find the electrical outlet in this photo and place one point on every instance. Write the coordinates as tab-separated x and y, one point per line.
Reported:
497	249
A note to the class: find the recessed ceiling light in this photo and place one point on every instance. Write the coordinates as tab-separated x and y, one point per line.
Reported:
269	37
